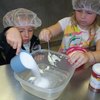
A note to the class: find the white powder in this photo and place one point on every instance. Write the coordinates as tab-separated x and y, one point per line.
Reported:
52	59
28	62
41	82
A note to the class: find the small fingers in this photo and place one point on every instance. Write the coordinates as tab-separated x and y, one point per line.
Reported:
77	59
15	44
78	63
18	49
10	43
72	58
45	35
19	45
14	39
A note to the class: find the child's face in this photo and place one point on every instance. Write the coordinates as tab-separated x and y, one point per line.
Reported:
26	33
85	18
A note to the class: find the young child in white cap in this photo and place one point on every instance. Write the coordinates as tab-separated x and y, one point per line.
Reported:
24	22
81	31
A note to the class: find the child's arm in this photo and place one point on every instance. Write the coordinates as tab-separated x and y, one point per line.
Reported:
14	39
47	33
97	52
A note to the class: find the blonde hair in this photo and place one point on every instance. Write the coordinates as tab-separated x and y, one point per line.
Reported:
94	25
92	28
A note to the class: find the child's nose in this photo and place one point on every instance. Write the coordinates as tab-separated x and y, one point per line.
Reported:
83	15
26	33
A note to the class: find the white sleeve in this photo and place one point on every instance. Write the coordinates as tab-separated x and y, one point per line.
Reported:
64	22
97	36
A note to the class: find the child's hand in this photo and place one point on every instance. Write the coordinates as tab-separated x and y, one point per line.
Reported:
78	58
45	35
14	39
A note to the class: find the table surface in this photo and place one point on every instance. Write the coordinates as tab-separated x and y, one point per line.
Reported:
77	89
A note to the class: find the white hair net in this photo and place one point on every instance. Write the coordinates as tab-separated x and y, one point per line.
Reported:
21	17
92	5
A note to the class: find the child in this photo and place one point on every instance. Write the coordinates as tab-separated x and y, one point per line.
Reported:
81	31
24	21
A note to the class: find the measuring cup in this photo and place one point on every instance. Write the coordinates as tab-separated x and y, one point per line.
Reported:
22	61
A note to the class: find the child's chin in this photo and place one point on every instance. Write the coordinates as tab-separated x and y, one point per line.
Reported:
25	42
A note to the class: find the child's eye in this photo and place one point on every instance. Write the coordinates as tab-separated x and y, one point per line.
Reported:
30	30
21	31
79	10
89	12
